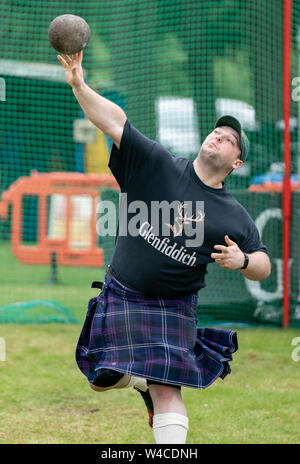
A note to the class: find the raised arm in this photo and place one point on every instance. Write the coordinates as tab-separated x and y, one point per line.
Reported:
103	113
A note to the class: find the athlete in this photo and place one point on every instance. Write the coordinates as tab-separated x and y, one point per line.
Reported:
141	330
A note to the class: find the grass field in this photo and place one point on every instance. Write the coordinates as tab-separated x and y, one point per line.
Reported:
45	399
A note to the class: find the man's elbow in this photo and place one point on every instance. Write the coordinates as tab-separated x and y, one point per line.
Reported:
266	270
261	271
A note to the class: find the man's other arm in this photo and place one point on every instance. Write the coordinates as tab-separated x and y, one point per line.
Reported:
231	257
259	266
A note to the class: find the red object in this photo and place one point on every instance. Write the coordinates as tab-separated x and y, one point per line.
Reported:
272	187
44	185
286	194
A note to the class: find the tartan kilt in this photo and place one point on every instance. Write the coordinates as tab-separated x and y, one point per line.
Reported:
158	339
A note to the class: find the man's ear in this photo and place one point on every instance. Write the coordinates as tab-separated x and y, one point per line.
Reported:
238	163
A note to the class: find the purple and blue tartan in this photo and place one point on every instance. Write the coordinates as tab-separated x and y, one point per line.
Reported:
154	338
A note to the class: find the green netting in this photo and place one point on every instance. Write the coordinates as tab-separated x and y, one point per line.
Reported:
35	312
108	241
174	67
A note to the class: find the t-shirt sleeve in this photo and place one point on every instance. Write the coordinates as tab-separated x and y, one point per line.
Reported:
252	241
126	161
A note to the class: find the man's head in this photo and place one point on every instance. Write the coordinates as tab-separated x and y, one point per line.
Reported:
226	147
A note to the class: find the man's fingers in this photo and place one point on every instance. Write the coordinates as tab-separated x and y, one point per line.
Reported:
220	247
67	58
229	241
77	57
62	61
217	255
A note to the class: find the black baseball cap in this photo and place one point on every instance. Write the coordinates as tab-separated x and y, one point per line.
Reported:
236	125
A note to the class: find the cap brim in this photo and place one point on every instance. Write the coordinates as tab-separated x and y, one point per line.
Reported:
230	121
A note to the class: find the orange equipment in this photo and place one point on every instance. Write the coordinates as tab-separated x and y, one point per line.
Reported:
69	186
268	186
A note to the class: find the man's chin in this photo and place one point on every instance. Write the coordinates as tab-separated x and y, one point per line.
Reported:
209	151
210	159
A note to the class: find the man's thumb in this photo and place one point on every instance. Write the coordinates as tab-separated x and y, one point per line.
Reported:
229	241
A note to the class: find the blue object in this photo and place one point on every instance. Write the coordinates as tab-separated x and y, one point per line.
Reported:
272	177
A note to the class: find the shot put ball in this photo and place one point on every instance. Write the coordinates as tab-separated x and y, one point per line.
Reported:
69	34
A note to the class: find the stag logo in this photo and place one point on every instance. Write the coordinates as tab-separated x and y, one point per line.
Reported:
181	220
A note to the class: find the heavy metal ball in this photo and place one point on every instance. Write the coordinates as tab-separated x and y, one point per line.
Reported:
69	34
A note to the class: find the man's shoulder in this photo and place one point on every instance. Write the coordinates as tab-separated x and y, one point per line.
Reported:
167	157
234	203
238	208
181	161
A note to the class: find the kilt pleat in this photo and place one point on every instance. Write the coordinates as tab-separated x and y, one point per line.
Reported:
158	339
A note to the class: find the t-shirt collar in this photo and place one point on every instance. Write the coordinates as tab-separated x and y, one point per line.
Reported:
205	186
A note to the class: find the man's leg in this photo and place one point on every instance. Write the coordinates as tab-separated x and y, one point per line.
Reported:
170	422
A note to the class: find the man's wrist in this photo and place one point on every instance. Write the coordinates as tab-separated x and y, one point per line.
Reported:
246	261
79	87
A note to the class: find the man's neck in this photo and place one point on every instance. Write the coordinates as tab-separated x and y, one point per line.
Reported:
208	178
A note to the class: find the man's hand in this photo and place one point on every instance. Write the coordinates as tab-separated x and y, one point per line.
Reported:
73	68
231	257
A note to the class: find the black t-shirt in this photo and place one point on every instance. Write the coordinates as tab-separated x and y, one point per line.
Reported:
150	260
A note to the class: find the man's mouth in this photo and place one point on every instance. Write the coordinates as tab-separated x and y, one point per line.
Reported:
213	145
